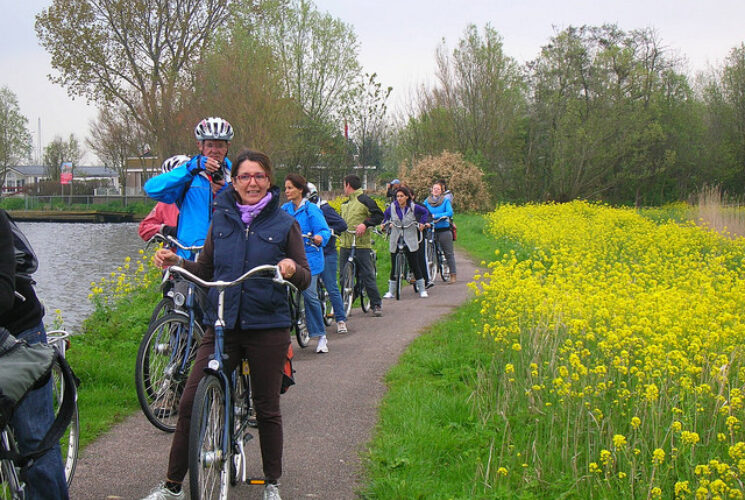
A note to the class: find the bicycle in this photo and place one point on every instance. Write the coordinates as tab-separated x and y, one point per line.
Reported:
64	394
165	305
217	457
167	351
436	261
327	310
349	280
400	263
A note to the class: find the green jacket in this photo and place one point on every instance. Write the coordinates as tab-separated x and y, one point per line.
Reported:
359	208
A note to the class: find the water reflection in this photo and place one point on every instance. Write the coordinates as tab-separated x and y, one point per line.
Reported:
71	255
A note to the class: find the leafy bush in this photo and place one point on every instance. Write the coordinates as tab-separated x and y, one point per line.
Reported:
463	178
12	204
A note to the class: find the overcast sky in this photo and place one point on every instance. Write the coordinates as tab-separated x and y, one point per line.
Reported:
398	39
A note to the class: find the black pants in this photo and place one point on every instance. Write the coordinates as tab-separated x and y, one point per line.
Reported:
266	351
413	259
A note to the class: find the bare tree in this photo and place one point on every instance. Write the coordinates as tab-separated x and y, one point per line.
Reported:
114	137
15	139
137	53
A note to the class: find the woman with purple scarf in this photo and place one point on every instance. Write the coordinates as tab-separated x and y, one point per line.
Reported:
248	229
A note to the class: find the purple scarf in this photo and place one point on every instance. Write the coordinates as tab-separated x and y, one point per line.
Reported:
249	212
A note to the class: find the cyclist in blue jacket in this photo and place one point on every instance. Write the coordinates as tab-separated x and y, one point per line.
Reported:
317	233
193	185
331	260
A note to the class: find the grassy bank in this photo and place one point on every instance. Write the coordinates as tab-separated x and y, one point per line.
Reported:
601	359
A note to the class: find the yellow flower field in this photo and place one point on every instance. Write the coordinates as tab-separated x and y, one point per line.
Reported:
618	354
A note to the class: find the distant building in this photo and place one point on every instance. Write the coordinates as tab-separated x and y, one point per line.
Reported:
18	177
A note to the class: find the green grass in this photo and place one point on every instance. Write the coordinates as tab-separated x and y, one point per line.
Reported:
103	358
428	443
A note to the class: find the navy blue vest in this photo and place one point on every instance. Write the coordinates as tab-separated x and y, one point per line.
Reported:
259	303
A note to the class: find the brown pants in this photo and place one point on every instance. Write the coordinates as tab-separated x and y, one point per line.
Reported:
266	351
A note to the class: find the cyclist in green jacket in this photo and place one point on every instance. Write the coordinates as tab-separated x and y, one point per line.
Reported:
360	212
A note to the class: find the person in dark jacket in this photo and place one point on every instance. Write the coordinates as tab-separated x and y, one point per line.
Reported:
248	229
21	314
338	226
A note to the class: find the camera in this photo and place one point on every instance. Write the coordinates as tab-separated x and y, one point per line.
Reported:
218	174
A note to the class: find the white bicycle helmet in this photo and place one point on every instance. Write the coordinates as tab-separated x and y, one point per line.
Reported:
173	162
312	194
215	129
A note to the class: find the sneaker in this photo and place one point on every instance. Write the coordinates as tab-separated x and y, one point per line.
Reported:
377	311
322	347
423	294
341	327
387	295
271	492
160	492
429	285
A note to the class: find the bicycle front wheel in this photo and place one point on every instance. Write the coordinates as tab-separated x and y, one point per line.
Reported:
442	263
69	441
209	460
431	261
326	308
300	325
11	486
400	273
347	287
160	370
164	307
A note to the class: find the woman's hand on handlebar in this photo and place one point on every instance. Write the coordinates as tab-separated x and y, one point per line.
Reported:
317	239
287	268
164	258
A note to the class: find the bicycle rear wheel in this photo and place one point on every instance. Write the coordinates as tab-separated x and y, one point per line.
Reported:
159	375
70	439
208	464
347	287
400	273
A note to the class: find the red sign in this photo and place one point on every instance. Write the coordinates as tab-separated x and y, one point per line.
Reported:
66	173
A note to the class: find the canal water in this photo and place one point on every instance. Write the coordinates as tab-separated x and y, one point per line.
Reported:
71	256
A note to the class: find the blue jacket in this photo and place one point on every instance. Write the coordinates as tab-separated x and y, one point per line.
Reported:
259	303
192	192
443	209
311	221
335	222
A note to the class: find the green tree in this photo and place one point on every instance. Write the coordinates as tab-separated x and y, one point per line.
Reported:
138	53
317	57
59	151
15	138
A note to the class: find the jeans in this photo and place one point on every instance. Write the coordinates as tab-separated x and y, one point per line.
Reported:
45	479
363	259
313	312
332	286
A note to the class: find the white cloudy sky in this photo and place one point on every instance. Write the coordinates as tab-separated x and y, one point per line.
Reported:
398	39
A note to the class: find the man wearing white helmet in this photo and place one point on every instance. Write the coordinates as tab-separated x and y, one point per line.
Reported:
163	218
193	185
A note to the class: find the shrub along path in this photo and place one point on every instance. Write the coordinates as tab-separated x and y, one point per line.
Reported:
328	416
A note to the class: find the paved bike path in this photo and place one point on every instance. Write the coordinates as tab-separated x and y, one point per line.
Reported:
328	416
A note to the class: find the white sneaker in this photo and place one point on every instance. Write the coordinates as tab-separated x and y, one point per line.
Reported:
322	346
271	492
160	492
387	295
423	294
341	327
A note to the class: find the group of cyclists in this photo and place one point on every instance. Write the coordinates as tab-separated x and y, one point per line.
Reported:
233	211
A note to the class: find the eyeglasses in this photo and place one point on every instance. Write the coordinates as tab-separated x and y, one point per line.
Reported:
245	178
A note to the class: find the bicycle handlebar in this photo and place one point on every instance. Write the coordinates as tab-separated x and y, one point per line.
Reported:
170	240
226	284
